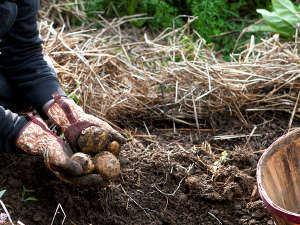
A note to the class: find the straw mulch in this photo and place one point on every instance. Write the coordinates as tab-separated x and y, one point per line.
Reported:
125	75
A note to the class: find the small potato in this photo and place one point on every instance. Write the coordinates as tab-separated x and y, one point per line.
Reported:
85	161
114	148
107	165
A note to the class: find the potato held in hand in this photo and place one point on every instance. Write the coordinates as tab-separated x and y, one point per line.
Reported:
85	161
107	165
93	140
114	148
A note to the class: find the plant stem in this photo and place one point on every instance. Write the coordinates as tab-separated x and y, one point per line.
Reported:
131	7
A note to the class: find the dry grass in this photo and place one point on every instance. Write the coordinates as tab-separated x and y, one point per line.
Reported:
125	75
62	12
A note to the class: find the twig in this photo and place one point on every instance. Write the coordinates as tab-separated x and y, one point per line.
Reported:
293	113
209	213
251	134
6	212
146	210
178	186
227	137
196	115
147	129
56	212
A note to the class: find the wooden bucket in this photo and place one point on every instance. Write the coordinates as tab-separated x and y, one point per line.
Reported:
278	179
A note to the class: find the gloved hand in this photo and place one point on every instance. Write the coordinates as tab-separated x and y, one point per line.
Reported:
37	139
83	131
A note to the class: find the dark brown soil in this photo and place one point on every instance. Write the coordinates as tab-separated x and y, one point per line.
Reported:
167	178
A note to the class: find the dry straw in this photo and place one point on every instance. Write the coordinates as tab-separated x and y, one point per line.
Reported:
124	74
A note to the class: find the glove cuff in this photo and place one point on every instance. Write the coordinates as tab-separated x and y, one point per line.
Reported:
73	132
31	134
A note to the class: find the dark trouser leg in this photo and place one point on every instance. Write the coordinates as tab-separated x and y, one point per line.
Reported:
29	76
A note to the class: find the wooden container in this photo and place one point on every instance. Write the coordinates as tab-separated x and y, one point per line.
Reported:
278	179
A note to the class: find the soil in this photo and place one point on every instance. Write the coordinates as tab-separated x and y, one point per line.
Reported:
166	178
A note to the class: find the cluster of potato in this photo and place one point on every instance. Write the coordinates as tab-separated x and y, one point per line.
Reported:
105	163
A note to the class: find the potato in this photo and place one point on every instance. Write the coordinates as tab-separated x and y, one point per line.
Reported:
107	165
93	140
85	161
114	148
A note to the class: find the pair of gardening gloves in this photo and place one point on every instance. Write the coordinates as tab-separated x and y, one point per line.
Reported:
82	131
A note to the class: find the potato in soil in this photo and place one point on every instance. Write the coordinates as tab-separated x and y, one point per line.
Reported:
114	148
85	161
107	165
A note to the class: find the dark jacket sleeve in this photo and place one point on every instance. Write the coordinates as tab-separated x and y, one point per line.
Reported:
8	13
22	61
10	126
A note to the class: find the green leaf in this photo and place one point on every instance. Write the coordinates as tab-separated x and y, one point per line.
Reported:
224	154
282	20
265	28
75	98
275	21
287	11
260	27
31	199
2	193
125	135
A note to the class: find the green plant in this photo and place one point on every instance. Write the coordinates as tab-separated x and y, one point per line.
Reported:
94	6
75	98
131	6
220	161
219	22
282	20
24	193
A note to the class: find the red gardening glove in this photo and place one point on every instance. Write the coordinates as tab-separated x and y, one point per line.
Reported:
83	131
37	139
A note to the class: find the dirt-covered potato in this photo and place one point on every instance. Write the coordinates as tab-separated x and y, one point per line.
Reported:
107	165
114	148
85	161
93	140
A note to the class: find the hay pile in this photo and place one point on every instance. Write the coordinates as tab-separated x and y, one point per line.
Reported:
123	74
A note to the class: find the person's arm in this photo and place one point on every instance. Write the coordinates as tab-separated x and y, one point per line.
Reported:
8	13
10	126
22	61
23	64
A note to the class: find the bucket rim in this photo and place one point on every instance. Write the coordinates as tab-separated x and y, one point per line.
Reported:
270	205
